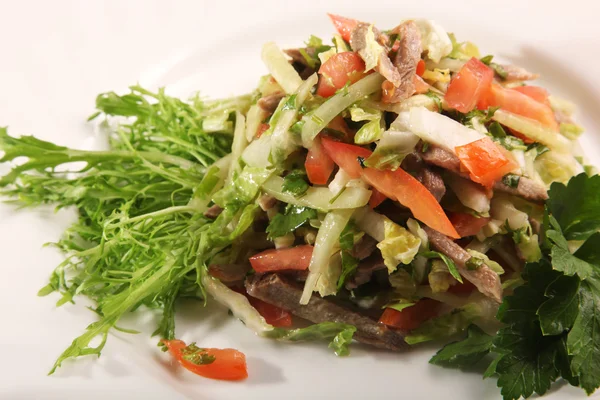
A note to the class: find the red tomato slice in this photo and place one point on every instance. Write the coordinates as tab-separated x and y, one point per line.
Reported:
485	161
411	193
376	198
340	69
274	315
346	156
467	224
293	258
468	85
397	185
518	103
318	164
343	25
535	92
421	68
228	364
411	317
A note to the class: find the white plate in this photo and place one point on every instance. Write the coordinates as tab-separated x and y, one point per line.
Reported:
58	55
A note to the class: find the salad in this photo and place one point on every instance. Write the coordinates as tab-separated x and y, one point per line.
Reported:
390	187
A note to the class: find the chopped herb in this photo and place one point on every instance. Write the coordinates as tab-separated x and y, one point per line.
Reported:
425	147
297	127
347	237
487	59
295	183
349	265
290	103
499	70
196	355
436	98
449	263
511	180
291	219
539	148
500	136
474	263
361	161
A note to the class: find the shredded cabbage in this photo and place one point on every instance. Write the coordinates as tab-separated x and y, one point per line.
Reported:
256	115
494	266
369	132
440	130
319	198
553	166
328	237
314	123
398	245
280	68
257	152
440	278
469	193
533	130
435	40
395	144
238	145
364	113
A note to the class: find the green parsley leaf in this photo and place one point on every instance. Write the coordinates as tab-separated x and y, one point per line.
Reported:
558	313
449	263
467	352
291	219
576	206
295	183
511	180
487	59
349	265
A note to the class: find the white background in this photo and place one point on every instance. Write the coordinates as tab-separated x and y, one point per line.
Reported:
56	56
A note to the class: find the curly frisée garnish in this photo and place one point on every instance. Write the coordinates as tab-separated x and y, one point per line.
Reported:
392	187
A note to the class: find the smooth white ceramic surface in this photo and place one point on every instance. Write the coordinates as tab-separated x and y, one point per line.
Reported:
56	56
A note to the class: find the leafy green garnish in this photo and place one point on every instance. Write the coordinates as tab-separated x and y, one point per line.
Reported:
487	59
466	353
341	335
291	219
295	183
500	136
449	263
511	180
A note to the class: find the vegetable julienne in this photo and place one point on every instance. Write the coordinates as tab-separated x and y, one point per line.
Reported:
390	188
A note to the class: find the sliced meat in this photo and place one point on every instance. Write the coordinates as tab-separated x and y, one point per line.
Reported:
364	248
515	73
299	62
266	202
360	44
527	188
365	271
277	290
433	182
269	103
229	273
406	60
213	212
484	279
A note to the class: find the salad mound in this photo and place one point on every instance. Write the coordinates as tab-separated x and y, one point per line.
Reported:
392	187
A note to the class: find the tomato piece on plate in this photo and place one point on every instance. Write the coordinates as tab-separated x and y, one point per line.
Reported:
467	224
485	161
518	103
468	85
340	69
224	364
376	198
318	164
411	193
411	317
343	25
292	258
346	156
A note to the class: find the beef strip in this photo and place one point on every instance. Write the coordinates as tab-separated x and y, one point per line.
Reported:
277	290
364	248
299	62
229	273
527	188
270	102
486	280
516	73
365	271
213	211
406	60
433	182
358	41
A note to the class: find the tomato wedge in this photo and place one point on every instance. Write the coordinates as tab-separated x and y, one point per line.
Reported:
343	25
292	258
341	68
467	224
346	156
397	185
468	85
411	317
318	164
518	103
535	92
376	198
421	68
485	161
224	364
